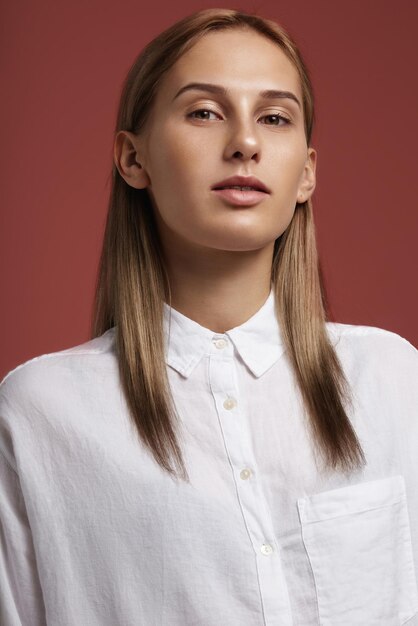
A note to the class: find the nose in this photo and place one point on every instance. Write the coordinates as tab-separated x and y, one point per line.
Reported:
243	142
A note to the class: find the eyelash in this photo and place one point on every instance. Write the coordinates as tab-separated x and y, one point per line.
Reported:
278	115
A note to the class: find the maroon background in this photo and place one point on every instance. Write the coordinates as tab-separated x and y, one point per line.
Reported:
63	64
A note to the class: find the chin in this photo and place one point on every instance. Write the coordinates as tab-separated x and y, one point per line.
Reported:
242	244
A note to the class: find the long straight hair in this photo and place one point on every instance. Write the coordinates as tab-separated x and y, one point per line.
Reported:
132	281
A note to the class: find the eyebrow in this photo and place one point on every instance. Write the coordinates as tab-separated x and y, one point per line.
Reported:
221	91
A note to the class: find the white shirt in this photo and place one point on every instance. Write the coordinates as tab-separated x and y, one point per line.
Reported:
94	533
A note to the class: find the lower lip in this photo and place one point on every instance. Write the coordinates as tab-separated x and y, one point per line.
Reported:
241	198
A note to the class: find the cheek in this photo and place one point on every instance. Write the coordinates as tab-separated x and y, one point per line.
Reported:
288	164
175	164
174	167
290	156
173	148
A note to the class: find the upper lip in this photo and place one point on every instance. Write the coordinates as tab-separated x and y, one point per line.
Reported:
242	181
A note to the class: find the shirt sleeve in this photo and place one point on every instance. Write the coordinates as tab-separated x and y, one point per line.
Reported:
21	600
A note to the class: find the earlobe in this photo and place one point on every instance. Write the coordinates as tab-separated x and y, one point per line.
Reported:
127	161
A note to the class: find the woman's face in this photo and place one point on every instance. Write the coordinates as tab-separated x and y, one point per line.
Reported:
198	137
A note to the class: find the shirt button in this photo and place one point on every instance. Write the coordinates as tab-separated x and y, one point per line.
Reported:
230	403
245	473
266	548
220	343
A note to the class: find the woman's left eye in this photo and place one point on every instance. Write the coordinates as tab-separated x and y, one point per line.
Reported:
276	117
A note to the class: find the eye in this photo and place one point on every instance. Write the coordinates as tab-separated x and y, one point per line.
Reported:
276	117
201	114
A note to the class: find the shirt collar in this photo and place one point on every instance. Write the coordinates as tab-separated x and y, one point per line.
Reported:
258	340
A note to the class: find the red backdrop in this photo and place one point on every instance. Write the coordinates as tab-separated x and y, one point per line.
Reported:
63	64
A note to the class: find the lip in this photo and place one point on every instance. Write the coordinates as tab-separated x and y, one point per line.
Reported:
243	181
241	198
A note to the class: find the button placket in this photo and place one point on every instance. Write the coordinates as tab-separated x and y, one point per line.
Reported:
255	511
224	384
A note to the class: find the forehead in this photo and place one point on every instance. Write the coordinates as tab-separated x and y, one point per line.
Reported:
237	58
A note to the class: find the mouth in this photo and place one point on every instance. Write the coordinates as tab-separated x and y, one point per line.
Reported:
241	196
241	190
242	183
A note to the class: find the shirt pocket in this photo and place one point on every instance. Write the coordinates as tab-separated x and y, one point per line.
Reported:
358	541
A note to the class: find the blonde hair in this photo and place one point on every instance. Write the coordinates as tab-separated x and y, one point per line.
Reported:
132	282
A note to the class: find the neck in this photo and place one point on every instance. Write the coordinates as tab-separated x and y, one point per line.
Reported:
219	289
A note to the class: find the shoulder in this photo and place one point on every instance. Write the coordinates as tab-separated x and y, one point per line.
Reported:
359	335
375	347
47	370
52	389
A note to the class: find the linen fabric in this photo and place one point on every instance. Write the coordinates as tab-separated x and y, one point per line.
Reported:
94	533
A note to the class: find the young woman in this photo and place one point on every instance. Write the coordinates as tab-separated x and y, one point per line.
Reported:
219	452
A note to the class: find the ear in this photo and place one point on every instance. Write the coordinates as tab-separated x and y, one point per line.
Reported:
308	179
126	154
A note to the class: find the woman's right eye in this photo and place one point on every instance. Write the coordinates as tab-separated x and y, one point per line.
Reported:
201	114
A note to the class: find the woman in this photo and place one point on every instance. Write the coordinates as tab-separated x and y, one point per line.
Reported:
219	452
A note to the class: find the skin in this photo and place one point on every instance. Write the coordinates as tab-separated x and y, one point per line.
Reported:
219	256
